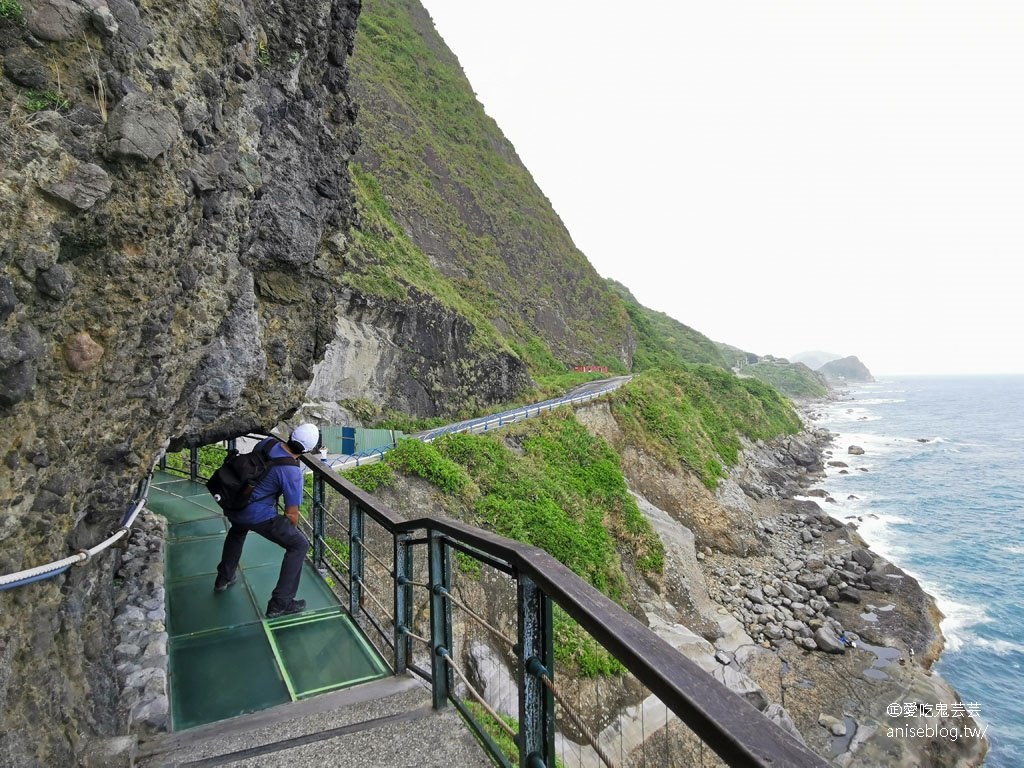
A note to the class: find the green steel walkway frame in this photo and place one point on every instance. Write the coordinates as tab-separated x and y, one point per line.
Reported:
225	658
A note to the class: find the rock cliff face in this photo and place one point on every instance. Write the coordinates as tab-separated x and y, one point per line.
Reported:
173	194
846	369
413	357
455	187
178	224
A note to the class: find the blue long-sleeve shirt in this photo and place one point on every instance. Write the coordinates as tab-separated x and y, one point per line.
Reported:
283	481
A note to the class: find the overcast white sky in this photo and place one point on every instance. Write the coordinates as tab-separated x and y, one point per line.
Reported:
781	176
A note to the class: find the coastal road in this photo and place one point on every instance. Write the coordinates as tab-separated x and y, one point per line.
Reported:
581	394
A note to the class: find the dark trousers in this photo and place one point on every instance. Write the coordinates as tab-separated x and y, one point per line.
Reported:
280	531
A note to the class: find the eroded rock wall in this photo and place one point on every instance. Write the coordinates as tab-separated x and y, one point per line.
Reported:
412	357
173	194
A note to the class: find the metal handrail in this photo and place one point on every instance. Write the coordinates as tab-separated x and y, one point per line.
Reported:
726	722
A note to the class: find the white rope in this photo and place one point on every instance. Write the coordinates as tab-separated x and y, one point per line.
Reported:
78	557
41	570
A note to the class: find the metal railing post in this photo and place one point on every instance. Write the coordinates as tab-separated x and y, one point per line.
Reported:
403	602
536	655
318	521
193	463
440	617
355	557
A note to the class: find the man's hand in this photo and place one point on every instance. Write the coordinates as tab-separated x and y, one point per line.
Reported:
292	513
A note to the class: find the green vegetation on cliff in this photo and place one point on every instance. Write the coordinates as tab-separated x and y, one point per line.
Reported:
448	209
662	341
791	379
545	482
455	190
696	415
846	369
388	263
564	492
11	9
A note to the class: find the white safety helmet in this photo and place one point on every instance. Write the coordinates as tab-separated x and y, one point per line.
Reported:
306	435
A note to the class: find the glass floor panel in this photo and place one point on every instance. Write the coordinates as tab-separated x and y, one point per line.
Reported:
262	580
177	509
323	652
223	674
191	557
183	487
193	606
206	501
161	478
208	526
225	659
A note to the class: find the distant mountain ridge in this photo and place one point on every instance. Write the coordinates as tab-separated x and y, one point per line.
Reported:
835	368
791	379
814	360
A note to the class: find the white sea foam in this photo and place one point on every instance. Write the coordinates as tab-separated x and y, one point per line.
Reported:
850	413
879	531
1001	647
875	445
850	437
949	458
958	618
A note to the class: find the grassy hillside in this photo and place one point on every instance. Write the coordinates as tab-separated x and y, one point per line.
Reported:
695	416
562	489
662	341
791	379
448	206
734	356
545	482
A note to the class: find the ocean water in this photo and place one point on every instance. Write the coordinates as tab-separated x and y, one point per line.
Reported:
943	498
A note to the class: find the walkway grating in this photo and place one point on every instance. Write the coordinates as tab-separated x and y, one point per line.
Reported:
225	658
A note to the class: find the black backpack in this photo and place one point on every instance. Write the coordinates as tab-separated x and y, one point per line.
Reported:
233	483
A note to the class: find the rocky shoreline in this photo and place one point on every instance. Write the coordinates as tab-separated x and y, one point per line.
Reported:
854	636
814	566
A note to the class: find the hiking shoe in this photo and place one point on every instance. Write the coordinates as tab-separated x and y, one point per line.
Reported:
220	585
295	606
